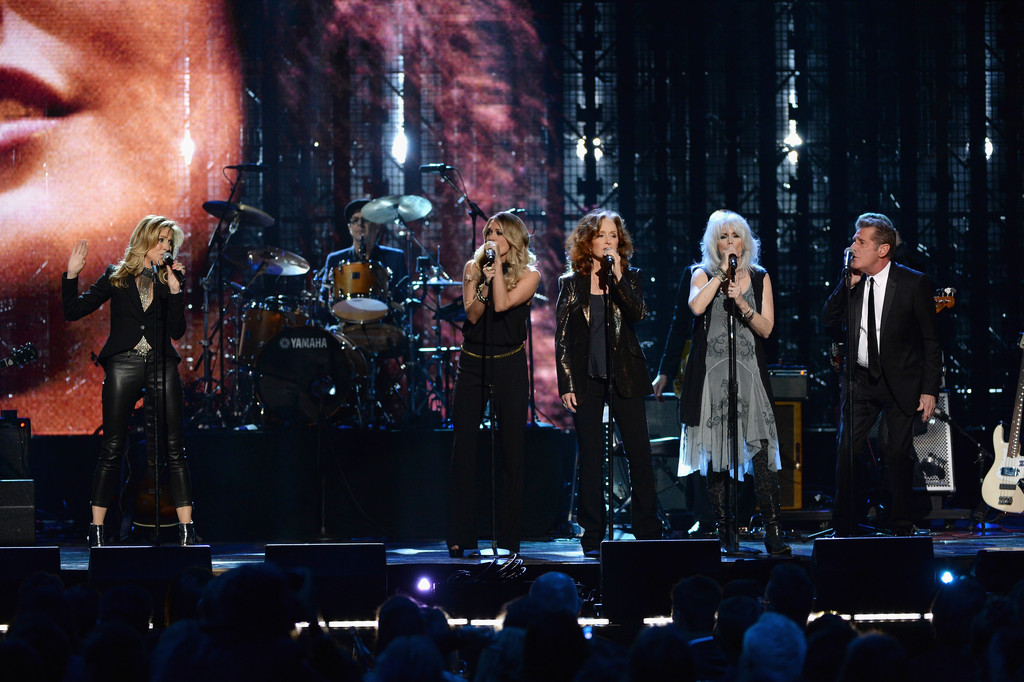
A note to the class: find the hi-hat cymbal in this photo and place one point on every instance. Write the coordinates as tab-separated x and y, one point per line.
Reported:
225	210
274	261
407	208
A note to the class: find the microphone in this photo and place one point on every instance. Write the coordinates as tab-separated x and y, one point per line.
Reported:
732	266
489	256
435	168
848	257
609	259
168	260
254	167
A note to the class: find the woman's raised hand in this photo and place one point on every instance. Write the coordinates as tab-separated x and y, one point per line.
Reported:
76	261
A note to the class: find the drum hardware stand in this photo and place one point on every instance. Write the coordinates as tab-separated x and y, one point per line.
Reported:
534	422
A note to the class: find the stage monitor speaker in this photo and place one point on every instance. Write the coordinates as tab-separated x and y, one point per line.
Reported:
349	580
790	424
17	512
998	569
933	452
874	575
150	567
16	564
637	576
15	435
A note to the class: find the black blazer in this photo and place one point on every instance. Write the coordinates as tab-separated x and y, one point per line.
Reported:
572	334
908	342
128	322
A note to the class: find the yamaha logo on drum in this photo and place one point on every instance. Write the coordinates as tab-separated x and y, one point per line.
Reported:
304	343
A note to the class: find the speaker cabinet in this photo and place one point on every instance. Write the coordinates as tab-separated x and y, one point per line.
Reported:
151	568
998	569
637	576
933	452
16	564
874	575
790	424
15	434
349	580
17	512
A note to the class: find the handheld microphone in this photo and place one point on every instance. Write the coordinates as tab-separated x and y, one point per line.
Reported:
435	168
254	167
489	256
732	266
848	257
168	260
609	259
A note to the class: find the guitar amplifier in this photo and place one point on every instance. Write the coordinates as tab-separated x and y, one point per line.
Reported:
933	452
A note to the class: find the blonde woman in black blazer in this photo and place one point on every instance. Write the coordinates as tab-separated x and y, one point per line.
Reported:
147	311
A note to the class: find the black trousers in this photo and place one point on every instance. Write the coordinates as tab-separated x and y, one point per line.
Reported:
631	417
896	436
511	402
130	376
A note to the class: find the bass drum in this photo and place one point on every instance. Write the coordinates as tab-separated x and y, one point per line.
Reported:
263	319
306	374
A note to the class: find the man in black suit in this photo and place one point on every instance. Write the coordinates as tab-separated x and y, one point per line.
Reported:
896	370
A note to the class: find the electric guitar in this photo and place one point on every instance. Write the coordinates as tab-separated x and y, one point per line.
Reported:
22	355
1003	486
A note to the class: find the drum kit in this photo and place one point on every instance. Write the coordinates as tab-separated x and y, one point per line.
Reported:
344	350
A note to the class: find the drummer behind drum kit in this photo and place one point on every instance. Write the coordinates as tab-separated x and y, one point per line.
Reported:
334	353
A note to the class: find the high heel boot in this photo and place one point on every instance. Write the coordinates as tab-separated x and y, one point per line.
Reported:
96	538
723	515
186	534
766	483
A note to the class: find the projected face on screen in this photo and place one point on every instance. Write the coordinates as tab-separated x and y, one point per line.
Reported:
109	110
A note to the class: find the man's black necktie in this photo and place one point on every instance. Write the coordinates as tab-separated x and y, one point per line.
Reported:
874	367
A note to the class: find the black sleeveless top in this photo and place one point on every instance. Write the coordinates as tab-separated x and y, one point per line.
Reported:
508	330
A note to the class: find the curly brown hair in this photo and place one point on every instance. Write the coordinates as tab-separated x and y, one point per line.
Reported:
578	243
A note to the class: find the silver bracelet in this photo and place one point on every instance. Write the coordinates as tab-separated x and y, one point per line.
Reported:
749	315
720	274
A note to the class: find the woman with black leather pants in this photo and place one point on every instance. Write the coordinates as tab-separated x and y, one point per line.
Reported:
147	310
599	279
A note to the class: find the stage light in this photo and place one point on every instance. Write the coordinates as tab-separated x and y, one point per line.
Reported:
424	584
946	577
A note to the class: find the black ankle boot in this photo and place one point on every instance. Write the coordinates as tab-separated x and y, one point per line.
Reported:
766	483
726	526
186	534
96	538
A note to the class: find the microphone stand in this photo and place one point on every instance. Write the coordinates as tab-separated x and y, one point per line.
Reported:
489	378
851	360
732	482
609	391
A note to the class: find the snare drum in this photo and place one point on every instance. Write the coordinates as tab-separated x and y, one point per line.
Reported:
360	292
263	319
377	338
305	374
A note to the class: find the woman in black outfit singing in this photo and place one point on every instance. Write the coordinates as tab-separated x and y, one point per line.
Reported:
147	310
598	252
498	284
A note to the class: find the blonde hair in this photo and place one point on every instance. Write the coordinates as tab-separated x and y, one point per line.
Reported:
717	223
519	258
578	245
144	238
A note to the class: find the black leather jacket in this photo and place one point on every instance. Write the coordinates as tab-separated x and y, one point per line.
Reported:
572	334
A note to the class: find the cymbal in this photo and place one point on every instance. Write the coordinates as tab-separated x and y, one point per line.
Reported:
407	208
250	215
276	261
436	282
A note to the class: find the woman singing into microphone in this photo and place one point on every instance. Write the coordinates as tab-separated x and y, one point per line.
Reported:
498	285
147	310
599	279
730	281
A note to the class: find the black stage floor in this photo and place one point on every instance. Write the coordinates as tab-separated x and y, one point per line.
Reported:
877	575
